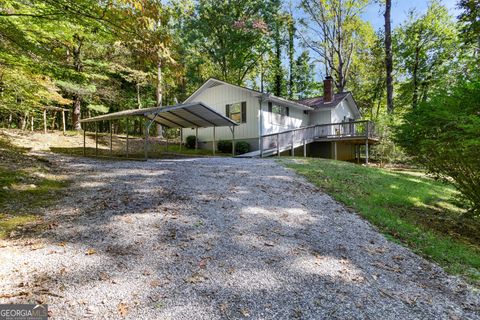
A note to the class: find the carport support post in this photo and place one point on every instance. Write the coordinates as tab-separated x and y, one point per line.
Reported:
127	138
145	146
366	151
293	149
63	121
304	148
111	138
84	131
278	145
181	138
213	142
96	139
45	120
233	141
196	138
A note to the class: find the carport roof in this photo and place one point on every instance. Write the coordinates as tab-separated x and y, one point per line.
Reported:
188	115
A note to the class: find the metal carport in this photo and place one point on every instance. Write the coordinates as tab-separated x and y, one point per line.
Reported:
190	115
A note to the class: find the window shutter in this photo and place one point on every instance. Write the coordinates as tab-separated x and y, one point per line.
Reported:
270	106
244	112
227	110
287	112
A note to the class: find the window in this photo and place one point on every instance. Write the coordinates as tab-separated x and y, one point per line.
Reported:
237	112
278	113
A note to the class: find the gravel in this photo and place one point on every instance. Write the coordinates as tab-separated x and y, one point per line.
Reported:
217	238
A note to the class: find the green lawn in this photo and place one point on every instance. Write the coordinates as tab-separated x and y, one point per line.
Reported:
27	188
408	207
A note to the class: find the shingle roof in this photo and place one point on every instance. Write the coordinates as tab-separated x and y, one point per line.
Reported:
317	102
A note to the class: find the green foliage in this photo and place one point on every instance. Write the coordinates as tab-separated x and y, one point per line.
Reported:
408	207
190	142
224	146
443	135
304	78
241	147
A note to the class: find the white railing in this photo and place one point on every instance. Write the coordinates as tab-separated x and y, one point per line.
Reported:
291	139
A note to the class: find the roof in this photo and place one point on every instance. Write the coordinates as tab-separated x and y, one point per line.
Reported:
187	115
318	103
213	82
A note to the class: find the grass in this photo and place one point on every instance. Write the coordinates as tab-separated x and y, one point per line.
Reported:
27	187
408	207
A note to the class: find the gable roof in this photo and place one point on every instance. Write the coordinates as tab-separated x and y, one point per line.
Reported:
212	82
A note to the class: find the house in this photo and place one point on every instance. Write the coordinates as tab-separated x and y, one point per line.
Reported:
327	126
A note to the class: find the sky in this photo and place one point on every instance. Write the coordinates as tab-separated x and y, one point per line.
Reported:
400	9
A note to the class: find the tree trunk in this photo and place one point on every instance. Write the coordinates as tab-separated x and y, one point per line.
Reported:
291	57
389	56
76	112
77	99
415	79
139	100
159	94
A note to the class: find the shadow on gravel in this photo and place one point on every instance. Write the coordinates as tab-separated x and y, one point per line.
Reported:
213	240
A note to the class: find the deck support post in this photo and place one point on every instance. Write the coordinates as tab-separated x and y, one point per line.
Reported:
213	142
111	138
127	138
357	152
44	120
304	148
63	122
278	145
335	150
260	141
96	139
84	133
366	151
196	138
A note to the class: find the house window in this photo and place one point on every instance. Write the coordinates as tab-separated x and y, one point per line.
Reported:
276	109
237	112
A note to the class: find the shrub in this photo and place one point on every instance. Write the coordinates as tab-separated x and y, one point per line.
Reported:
224	146
242	147
443	135
190	142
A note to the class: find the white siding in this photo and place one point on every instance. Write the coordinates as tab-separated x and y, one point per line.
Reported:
320	117
341	111
273	123
217	98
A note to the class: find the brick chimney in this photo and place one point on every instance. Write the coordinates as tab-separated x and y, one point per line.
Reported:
328	89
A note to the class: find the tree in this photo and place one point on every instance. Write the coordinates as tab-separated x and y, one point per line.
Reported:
334	25
388	56
304	77
470	19
232	35
442	134
425	46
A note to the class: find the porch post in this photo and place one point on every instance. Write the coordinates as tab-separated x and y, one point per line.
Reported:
213	142
335	149
196	138
304	148
366	151
127	138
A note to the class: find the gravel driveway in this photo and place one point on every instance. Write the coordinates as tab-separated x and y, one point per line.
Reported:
218	238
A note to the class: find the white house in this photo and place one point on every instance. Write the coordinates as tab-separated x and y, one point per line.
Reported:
262	118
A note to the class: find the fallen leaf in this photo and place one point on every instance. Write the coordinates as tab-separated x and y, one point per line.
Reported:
155	283
90	252
245	312
123	309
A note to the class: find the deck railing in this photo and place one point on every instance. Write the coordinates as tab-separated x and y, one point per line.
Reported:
294	138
